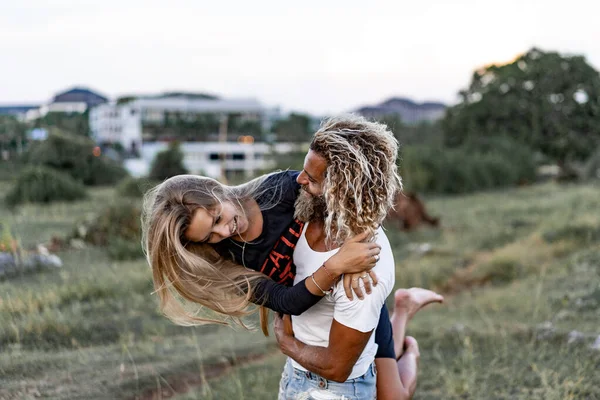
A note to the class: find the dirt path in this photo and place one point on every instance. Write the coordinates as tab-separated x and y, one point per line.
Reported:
183	383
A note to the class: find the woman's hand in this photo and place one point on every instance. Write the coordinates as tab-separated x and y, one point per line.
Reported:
352	283
357	254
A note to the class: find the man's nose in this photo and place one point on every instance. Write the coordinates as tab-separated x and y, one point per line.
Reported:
302	179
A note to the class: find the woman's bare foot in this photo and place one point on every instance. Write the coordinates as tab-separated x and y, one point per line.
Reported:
407	302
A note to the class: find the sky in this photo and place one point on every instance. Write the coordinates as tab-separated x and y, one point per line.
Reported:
320	57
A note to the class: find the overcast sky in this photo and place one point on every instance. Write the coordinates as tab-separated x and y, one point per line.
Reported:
315	56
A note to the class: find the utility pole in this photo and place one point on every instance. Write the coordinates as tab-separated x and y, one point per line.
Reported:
223	141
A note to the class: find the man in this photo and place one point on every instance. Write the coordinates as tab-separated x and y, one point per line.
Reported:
349	181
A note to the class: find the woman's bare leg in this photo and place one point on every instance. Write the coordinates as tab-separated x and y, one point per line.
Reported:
407	302
397	380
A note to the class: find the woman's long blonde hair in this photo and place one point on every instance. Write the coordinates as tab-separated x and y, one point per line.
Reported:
188	276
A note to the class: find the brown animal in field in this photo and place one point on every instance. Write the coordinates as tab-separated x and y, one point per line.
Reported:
409	212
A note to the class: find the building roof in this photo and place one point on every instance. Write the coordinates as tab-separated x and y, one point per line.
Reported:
15	109
186	104
80	95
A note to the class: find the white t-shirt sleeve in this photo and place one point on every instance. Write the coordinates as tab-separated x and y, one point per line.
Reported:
363	315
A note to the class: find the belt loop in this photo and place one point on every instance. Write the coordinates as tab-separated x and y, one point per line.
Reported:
322	383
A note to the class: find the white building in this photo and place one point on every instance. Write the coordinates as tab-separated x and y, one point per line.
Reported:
138	125
204	158
112	123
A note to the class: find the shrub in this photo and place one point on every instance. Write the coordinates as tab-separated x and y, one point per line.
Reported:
74	155
134	187
9	170
465	169
43	185
119	219
123	249
519	161
104	171
592	167
116	227
167	163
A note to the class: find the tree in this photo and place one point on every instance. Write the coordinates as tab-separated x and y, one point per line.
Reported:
296	128
74	123
423	132
12	133
545	100
167	163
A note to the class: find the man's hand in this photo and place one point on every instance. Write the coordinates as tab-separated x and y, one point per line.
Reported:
283	330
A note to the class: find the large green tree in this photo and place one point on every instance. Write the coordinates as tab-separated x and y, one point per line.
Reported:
548	101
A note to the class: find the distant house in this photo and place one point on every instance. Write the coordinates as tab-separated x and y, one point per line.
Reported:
18	110
75	100
80	95
409	111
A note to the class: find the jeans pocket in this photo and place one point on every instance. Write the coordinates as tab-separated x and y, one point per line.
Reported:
284	382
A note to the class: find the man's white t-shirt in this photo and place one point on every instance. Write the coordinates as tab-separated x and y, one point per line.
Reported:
312	327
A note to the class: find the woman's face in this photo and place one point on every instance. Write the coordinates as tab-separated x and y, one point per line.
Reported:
223	221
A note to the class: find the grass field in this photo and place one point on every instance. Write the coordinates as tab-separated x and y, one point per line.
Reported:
520	270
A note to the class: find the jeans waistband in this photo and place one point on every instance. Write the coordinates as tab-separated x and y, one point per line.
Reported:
325	382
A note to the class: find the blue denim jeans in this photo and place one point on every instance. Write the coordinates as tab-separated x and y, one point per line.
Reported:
296	384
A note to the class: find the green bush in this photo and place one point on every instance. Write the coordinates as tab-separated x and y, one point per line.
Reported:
123	249
592	167
119	219
466	169
134	187
116	227
9	170
44	185
74	155
167	163
520	159
104	171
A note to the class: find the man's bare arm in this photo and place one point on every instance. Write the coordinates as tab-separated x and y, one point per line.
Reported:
334	362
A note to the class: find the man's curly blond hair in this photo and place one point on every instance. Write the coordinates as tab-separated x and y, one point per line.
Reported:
361	180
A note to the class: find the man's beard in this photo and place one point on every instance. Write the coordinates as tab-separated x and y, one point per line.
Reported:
310	208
